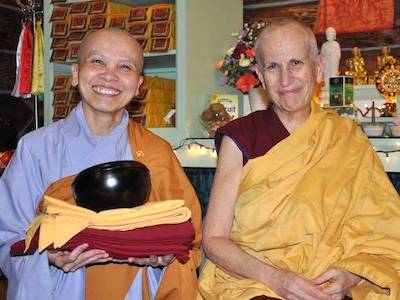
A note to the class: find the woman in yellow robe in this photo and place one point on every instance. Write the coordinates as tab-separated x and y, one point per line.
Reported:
313	218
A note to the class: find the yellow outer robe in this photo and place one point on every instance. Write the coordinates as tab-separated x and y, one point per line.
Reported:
317	199
168	181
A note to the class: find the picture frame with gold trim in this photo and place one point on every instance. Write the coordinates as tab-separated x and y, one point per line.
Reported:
60	111
162	29
78	22
59	29
160	12
79	8
138	28
59	55
58	43
117	22
139	14
159	45
73	49
98	7
60	82
76	36
59	13
97	22
60	97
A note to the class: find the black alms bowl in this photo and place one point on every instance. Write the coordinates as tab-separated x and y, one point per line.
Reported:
117	184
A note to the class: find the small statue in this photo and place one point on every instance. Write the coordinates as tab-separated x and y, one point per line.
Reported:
213	117
330	50
356	67
383	59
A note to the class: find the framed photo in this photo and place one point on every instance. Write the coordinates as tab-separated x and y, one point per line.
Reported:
59	14
58	43
98	7
159	44
78	22
138	28
59	55
161	29
161	13
79	8
59	29
60	97
97	22
60	82
138	14
118	22
73	51
76	35
60	111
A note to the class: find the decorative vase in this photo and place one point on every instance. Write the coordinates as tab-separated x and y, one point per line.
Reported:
258	99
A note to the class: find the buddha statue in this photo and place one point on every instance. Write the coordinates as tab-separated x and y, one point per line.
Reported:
356	67
383	59
330	50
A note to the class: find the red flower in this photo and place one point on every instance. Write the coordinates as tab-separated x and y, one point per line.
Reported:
246	82
239	49
251	52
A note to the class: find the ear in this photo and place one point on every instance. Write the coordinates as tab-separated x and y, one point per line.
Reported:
260	75
138	86
319	68
75	75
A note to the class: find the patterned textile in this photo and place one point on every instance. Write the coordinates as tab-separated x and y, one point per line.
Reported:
354	15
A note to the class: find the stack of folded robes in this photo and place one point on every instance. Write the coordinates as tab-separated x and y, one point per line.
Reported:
155	228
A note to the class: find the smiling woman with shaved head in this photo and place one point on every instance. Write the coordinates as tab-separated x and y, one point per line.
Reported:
98	130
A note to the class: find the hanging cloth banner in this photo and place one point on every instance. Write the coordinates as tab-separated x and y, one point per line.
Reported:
15	91
38	67
354	15
25	82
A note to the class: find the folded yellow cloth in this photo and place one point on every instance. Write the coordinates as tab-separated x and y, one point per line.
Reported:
61	221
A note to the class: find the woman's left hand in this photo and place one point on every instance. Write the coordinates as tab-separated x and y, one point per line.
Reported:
337	282
152	261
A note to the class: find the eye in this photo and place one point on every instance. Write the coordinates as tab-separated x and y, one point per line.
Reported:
126	67
97	61
271	66
296	62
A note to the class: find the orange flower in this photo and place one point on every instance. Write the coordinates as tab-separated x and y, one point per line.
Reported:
219	64
250	53
246	82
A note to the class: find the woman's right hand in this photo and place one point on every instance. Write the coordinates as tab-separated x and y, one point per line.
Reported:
77	258
293	286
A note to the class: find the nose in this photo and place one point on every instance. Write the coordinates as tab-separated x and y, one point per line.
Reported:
286	76
109	73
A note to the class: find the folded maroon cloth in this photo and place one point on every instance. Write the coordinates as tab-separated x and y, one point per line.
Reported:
142	242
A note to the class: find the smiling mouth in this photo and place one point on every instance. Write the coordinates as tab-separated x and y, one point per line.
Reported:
105	91
288	92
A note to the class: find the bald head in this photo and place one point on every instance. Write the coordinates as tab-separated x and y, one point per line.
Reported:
108	36
292	24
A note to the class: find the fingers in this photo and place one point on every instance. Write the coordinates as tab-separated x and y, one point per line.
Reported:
88	258
153	260
325	277
77	258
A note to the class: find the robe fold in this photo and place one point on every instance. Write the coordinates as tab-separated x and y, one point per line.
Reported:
317	199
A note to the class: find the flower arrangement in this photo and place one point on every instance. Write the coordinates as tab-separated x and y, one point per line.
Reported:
238	65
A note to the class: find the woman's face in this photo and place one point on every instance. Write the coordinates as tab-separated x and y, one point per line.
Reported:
290	73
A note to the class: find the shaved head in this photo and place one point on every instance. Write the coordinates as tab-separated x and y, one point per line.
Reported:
278	23
92	38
